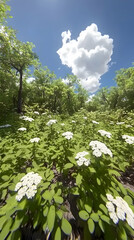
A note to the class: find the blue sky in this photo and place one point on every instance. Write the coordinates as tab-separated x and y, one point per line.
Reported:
43	21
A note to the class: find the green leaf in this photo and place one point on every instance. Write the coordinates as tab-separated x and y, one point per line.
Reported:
59	214
83	215
95	217
66	226
114	172
98	181
51	218
68	165
92	170
6	229
3	219
105	219
58	199
45	185
17	222
58	234
122	233
5	177
91	225
101	225
45	211
47	195
103	208
128	199
88	208
16	235
78	179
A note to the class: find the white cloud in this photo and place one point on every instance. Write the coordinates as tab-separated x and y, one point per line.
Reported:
90	98
30	79
88	56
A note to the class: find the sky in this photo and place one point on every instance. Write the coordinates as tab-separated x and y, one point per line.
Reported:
91	39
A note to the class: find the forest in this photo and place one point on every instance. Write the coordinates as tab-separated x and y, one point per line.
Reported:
66	158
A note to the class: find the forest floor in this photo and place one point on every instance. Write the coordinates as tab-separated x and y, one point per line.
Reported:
127	178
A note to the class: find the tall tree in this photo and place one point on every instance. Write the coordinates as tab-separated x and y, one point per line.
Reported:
16	55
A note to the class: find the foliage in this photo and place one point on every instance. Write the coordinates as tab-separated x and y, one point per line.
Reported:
69	196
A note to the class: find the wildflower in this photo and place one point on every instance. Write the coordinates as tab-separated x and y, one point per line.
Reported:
25	118
119	210
73	121
99	148
62	124
85	118
67	135
27	186
120	123
51	122
95	122
128	139
22	129
34	140
81	159
36	112
105	133
128	126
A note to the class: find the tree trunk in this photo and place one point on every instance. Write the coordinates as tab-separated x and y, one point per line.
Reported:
19	108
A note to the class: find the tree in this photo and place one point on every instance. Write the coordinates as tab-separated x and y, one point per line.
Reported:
16	55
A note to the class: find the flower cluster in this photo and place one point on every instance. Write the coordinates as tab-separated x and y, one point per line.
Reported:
5	126
120	123
104	133
67	135
26	118
27	186
22	129
128	139
99	148
81	159
35	112
34	140
119	210
95	122
51	122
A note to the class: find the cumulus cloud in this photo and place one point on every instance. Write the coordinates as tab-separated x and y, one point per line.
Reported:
88	56
30	79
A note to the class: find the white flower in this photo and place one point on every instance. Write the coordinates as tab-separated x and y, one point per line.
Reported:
114	217
18	186
109	197
120	214
105	133
27	186
67	135
99	148
62	124
51	122
73	121
26	118
110	207
85	118
95	122
81	159
128	139
22	129
36	112
81	154
120	123
34	140
123	211
44	113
